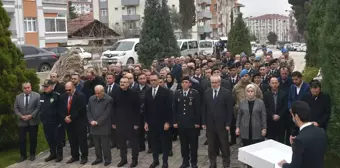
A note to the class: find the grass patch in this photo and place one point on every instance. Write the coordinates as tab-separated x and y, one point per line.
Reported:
309	73
11	156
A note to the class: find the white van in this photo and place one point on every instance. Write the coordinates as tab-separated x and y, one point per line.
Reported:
188	46
207	46
123	51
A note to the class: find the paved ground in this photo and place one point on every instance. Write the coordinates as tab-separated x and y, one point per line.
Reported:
144	159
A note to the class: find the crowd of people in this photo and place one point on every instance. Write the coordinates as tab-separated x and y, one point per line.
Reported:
249	97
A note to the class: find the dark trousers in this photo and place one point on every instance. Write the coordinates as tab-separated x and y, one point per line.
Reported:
54	138
221	135
288	127
159	142
33	133
275	130
132	137
141	134
90	135
102	146
113	137
233	129
189	144
78	140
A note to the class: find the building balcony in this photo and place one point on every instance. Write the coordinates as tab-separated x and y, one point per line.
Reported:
204	14
131	17
130	2
55	1
207	2
204	29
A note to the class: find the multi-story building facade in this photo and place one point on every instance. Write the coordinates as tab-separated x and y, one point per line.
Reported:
260	26
126	14
82	6
41	23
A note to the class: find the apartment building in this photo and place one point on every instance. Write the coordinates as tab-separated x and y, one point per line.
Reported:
260	26
126	14
41	23
82	6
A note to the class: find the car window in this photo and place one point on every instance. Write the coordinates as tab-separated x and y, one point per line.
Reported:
54	50
184	46
136	47
27	50
62	50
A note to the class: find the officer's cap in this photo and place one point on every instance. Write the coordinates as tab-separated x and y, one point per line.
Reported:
47	83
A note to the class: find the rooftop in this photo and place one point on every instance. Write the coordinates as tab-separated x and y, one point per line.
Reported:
268	16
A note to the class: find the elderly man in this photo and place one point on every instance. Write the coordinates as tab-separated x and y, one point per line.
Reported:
132	83
99	116
26	107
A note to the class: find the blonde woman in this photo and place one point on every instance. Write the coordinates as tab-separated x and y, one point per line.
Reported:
251	123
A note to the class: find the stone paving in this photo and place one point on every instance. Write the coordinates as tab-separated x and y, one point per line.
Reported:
144	159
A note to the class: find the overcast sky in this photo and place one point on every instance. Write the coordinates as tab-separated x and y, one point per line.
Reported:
260	7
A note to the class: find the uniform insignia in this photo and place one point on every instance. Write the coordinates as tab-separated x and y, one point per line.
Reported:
51	100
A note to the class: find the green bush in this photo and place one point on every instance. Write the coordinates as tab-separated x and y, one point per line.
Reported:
309	73
13	73
239	37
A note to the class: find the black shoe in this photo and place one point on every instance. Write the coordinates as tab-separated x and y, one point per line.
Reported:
149	151
165	165
83	161
154	164
72	160
171	153
113	146
49	158
184	166
32	157
59	159
141	149
231	143
90	145
97	161
194	166
122	163
213	166
21	159
107	163
205	142
134	163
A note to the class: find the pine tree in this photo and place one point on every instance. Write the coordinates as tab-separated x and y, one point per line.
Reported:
330	49
272	38
239	37
314	24
187	10
157	36
13	73
72	11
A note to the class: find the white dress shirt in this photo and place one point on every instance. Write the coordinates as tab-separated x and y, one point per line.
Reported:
305	125
29	96
218	89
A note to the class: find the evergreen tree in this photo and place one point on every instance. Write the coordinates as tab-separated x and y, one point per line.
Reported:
314	25
13	73
72	11
239	37
187	10
330	49
272	38
157	36
175	18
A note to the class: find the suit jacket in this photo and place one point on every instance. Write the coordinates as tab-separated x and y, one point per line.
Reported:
141	94
114	87
100	111
135	86
218	112
224	84
293	96
285	84
309	148
258	119
158	111
176	71
59	88
32	109
281	108
235	82
77	111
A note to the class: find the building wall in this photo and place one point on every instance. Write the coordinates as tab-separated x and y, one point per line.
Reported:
82	6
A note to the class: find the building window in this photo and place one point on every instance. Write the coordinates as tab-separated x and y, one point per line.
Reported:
116	8
131	10
103	12
55	24
123	8
30	24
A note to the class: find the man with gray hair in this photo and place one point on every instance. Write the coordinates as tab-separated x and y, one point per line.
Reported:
99	116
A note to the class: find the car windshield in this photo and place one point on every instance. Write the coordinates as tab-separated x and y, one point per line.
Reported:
123	46
206	44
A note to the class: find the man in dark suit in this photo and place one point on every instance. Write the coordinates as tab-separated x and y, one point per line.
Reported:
285	80
73	110
176	70
125	119
233	77
309	147
187	116
275	101
224	83
110	87
132	83
158	118
217	117
57	87
320	105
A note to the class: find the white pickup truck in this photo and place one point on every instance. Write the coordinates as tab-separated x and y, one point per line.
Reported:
85	56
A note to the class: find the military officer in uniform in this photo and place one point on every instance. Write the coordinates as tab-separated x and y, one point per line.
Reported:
187	117
51	120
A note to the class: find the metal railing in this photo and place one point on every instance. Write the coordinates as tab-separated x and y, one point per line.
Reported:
55	1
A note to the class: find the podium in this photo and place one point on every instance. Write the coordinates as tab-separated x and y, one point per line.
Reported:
265	154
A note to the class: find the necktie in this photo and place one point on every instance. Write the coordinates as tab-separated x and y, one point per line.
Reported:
215	95
69	105
110	89
154	93
233	80
26	101
185	94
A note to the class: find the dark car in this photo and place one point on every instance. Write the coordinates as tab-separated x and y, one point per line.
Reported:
57	50
37	58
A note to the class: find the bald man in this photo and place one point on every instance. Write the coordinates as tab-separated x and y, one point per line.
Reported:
132	84
99	116
73	110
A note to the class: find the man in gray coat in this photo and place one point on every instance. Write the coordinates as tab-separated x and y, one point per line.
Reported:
26	107
99	116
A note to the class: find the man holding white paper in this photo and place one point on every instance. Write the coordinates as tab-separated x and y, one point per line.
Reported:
309	146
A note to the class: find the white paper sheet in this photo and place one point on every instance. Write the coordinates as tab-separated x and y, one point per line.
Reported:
272	155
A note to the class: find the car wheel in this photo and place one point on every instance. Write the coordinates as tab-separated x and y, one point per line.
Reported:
44	68
130	61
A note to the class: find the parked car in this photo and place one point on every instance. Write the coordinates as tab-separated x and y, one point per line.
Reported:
207	46
302	47
37	58
188	46
57	50
85	56
123	51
